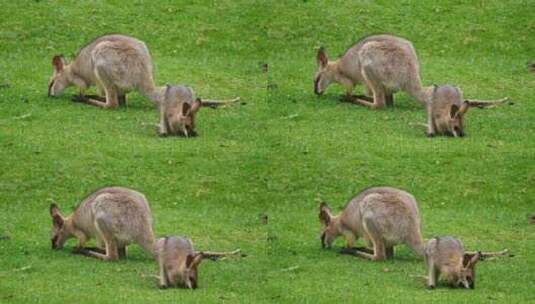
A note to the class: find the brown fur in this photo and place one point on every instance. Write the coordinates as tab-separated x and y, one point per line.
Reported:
445	255
177	262
383	216
115	63
445	111
178	109
446	108
385	64
115	216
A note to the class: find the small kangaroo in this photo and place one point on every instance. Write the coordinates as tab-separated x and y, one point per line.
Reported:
178	109
385	64
383	216
115	216
446	255
115	63
178	261
446	108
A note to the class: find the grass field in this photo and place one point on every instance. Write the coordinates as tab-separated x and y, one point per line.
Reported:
277	155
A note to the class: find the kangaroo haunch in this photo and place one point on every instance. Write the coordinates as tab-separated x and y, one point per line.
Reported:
115	216
383	216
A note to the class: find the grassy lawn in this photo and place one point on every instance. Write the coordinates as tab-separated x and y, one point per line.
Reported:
277	155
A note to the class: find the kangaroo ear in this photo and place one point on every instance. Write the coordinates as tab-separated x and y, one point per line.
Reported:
196	106
470	260
464	107
57	218
193	260
322	58
325	214
58	62
185	108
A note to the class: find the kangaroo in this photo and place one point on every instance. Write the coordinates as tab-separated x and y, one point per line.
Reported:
446	108
385	64
446	255
383	216
178	261
115	216
178	109
115	63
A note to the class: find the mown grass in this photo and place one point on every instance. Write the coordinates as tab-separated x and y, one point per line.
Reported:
277	155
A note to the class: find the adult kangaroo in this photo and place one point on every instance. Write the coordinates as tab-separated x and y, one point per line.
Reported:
385	64
116	64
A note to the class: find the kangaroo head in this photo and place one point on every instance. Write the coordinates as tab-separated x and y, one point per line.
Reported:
60	230
329	224
189	276
467	278
325	73
185	120
60	78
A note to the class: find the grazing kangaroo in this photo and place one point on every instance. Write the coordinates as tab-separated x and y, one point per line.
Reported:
446	255
383	216
178	261
115	216
177	111
178	108
116	64
446	108
385	64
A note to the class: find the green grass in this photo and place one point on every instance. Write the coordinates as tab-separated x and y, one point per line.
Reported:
277	155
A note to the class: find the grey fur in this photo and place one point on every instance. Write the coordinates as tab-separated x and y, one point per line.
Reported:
383	216
115	216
